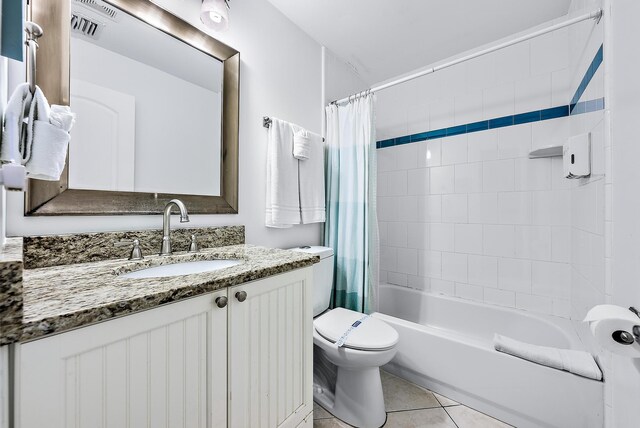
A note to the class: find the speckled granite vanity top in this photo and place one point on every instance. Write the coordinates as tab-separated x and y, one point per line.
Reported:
10	291
60	298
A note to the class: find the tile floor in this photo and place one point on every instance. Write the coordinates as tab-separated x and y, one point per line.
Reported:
410	406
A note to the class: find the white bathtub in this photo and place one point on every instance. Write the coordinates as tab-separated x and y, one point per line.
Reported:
446	346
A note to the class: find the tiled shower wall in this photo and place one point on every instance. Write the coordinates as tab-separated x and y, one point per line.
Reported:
470	215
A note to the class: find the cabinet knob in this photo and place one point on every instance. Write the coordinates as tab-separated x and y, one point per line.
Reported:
221	301
241	296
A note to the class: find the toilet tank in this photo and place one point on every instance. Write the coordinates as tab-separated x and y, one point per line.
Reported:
322	277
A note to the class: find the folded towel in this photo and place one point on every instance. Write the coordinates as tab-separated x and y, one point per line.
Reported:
577	362
14	128
311	176
301	142
40	144
283	195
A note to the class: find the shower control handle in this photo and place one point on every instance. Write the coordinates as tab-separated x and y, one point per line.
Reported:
241	296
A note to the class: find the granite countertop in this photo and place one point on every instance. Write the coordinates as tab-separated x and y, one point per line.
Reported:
61	298
10	291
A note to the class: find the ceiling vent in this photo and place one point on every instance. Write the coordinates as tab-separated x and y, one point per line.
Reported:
99	7
85	25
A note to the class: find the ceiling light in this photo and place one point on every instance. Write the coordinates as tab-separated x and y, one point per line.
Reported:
215	14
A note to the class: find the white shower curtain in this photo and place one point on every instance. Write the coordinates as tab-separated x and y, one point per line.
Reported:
351	228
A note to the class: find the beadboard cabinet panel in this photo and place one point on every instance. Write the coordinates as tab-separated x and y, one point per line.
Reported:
164	367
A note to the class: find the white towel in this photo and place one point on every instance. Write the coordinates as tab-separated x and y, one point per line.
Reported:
41	144
16	111
301	143
283	191
311	175
577	362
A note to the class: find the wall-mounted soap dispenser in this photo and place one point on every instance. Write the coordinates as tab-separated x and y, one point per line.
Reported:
576	156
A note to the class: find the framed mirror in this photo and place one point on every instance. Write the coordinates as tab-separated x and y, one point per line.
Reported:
156	103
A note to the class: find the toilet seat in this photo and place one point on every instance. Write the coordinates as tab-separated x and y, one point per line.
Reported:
371	334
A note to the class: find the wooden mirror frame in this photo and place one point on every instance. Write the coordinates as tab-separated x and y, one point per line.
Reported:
54	198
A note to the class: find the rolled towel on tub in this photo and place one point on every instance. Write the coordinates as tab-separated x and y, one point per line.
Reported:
577	362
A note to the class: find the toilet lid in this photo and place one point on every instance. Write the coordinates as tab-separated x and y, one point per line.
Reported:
370	334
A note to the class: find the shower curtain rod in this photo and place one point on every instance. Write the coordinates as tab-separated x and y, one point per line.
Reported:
596	15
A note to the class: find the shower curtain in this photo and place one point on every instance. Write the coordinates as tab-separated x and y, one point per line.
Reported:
351	228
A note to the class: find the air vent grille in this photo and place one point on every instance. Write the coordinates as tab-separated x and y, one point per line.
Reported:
100	7
88	27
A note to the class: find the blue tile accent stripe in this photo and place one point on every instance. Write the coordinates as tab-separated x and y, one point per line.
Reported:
575	107
588	75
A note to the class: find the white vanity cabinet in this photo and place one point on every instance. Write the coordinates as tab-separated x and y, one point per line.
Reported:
186	364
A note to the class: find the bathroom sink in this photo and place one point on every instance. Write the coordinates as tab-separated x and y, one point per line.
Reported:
185	268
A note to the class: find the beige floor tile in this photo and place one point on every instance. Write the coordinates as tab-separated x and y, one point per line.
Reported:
319	412
465	417
444	401
402	395
431	418
330	423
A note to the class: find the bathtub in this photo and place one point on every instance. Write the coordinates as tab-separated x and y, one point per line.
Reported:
446	346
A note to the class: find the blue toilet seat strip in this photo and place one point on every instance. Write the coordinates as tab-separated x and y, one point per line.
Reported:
346	334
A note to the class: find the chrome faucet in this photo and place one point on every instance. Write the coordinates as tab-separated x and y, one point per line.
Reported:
166	224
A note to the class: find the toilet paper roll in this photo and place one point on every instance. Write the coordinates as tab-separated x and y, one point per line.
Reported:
605	320
13	176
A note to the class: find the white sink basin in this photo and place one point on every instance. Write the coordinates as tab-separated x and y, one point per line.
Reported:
185	268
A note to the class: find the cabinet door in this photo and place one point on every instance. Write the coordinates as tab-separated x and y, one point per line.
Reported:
165	367
270	351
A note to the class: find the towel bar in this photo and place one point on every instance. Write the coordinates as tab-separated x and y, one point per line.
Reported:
266	122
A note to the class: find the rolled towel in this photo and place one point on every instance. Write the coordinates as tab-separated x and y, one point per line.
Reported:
301	143
577	362
14	134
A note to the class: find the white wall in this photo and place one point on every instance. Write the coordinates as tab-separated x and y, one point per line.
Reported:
470	215
177	123
623	395
280	76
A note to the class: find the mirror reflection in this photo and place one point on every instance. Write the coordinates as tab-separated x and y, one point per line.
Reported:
149	107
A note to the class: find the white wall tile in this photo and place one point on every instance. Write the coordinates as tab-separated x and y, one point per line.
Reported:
454	208
396	278
418	235
483	208
469	292
439	286
407	208
430	208
533	174
454	267
407	156
483	270
408	261
538	304
550	52
397	234
382	181
468	107
418	181
498	176
468	238
498	240
468	178
514	141
498	101
387	208
396	183
382	232
561	244
454	150
386	159
500	297
553	132
552	208
551	279
514	275
560	81
442	113
441	235
483	145
430	264
418	282
442	180
562	308
533	93
388	258
514	208
429	153
512	63
533	242
417	118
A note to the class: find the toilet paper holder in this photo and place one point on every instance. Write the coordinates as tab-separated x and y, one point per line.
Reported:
626	338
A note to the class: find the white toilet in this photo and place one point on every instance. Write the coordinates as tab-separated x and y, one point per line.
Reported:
346	379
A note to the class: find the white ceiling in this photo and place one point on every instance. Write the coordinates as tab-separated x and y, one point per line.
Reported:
385	38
